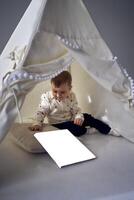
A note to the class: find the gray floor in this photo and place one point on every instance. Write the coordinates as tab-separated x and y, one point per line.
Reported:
25	176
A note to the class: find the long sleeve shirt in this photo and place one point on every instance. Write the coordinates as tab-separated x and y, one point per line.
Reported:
58	111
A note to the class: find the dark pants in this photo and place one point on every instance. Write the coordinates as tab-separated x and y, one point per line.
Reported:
81	130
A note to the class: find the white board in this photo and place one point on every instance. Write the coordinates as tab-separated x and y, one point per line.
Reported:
64	147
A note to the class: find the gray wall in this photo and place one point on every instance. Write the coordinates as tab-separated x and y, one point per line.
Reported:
114	19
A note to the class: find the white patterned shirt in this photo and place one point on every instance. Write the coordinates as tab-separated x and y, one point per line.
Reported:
58	111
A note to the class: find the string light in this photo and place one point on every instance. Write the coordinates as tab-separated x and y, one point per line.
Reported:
131	81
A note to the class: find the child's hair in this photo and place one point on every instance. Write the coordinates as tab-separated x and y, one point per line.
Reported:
63	78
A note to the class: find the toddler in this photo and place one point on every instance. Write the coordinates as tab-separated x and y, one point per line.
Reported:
61	108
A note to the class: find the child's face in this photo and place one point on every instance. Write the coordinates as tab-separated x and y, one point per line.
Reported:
62	92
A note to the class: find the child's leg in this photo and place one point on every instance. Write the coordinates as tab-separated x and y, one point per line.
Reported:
96	123
73	128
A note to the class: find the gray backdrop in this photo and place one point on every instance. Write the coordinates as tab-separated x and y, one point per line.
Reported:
113	18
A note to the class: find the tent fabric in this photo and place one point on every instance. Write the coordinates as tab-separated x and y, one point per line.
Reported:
19	83
57	33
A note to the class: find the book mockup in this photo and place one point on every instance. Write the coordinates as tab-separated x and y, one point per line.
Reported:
63	147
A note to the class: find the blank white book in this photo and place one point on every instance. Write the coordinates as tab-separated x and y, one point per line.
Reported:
64	147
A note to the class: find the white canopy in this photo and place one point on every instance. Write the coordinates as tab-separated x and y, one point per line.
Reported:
49	36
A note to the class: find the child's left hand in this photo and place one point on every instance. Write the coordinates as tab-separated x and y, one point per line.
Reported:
78	121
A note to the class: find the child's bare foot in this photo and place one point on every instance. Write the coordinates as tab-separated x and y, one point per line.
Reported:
35	128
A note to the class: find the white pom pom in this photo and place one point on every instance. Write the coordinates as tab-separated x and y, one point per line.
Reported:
25	75
31	77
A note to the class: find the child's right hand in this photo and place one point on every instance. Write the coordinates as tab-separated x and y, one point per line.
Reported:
78	121
35	127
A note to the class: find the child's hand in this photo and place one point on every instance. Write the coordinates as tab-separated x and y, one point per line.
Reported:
78	121
35	128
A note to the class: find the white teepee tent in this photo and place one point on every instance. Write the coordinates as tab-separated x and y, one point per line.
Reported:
49	37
